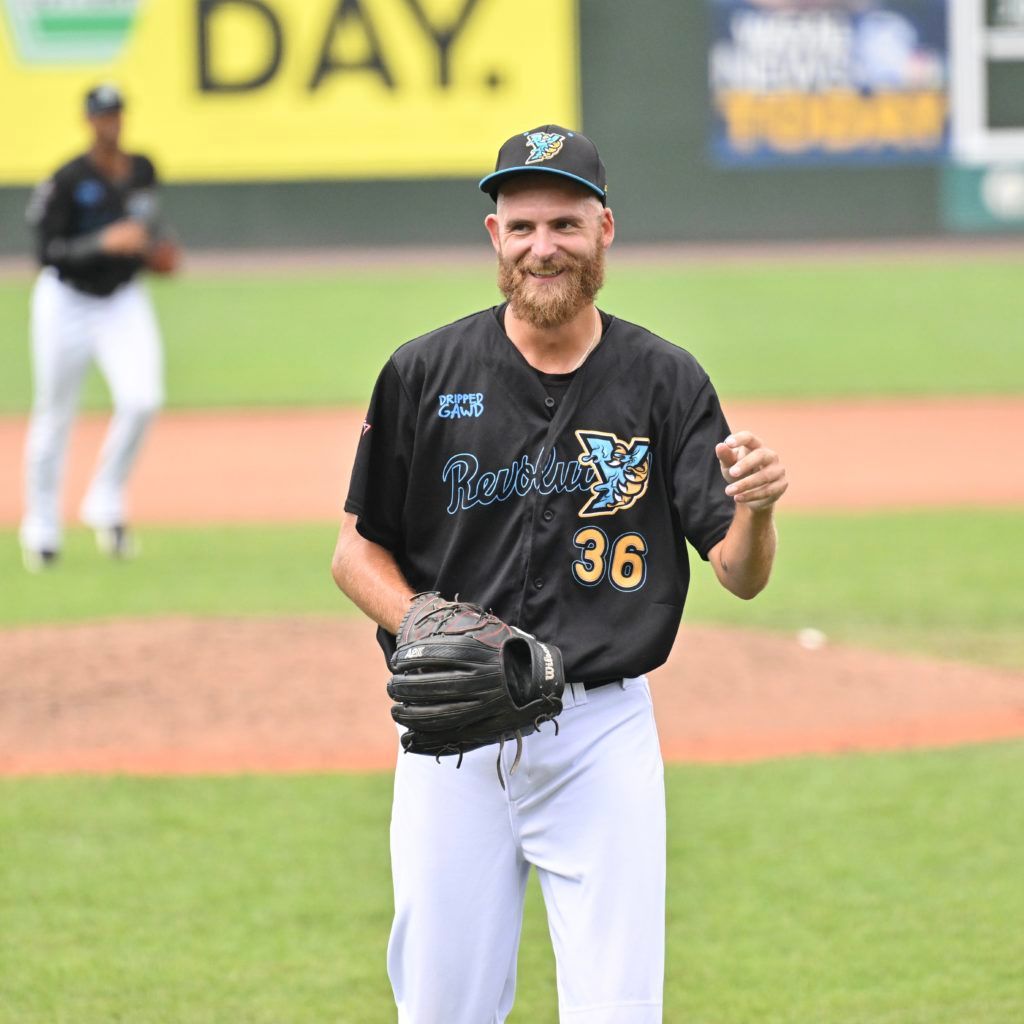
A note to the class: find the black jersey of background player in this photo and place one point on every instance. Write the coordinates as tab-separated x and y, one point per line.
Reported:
565	516
69	210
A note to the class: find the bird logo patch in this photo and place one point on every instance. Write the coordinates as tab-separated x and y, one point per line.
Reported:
543	146
88	192
620	471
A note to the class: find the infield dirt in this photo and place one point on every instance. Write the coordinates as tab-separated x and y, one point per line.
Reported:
224	695
293	465
183	695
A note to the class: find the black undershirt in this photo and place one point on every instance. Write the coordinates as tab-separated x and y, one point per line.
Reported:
555	384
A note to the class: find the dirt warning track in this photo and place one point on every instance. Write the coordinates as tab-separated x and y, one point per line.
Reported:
190	695
293	465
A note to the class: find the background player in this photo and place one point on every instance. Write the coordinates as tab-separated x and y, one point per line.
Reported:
560	498
97	225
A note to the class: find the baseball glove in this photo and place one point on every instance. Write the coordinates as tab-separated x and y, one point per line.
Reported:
163	257
464	679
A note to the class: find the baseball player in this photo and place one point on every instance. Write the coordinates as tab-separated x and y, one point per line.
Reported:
97	225
548	461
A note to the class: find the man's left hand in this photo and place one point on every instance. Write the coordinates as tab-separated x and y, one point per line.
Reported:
756	477
163	256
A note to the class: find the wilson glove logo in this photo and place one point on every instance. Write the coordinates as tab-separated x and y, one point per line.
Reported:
549	662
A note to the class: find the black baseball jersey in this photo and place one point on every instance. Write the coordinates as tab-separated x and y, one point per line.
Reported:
69	210
560	504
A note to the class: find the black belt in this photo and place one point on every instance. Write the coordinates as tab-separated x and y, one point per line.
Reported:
593	684
86	287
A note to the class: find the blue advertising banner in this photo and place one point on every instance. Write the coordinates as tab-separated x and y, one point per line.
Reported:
797	82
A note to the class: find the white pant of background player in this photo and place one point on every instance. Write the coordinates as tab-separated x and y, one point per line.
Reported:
69	330
586	808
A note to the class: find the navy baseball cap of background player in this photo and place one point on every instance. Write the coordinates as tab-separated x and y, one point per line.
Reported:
549	149
103	99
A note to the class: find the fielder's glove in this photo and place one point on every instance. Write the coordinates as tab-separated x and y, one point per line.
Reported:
163	256
464	679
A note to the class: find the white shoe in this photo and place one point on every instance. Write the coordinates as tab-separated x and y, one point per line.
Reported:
117	542
37	561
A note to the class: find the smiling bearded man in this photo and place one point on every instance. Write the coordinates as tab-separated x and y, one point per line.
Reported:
554	303
585	454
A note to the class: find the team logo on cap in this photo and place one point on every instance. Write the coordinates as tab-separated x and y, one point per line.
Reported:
106	96
543	146
620	469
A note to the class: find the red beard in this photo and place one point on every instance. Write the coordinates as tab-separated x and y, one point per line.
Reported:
547	305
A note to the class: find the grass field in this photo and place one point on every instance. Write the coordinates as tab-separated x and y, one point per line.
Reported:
932	582
851	890
794	330
856	890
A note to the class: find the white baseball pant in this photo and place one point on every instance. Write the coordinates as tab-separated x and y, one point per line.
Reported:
69	330
586	808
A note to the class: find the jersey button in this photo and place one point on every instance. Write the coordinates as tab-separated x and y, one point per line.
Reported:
549	402
548	515
539	582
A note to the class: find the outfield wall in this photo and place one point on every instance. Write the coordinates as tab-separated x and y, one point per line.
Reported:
644	94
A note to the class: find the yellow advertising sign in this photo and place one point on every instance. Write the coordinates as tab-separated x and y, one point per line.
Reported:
837	121
284	89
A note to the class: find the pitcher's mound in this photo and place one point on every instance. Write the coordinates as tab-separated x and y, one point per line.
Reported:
183	695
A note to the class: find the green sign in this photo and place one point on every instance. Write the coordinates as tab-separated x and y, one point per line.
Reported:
70	31
984	198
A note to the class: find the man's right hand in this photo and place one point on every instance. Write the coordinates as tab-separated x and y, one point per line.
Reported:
124	238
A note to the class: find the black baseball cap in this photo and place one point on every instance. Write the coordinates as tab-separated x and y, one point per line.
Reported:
103	99
549	149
